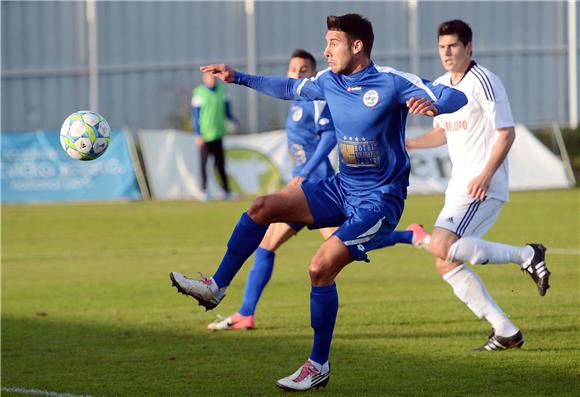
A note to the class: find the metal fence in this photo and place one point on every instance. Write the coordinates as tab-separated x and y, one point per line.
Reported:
137	62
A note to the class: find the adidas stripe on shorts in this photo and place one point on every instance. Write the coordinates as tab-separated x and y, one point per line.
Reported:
467	216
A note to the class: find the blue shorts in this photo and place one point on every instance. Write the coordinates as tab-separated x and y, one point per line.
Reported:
364	221
296	226
323	171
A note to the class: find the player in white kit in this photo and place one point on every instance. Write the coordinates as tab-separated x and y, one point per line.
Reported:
479	137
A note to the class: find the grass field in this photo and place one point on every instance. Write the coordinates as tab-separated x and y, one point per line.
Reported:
88	308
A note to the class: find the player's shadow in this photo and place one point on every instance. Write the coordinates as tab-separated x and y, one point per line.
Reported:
154	360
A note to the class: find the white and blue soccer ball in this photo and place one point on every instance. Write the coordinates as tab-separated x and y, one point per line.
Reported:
85	135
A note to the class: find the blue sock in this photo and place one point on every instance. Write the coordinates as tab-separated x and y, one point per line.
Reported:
244	240
405	237
257	280
323	310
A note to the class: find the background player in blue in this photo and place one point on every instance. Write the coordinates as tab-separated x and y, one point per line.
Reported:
311	138
369	105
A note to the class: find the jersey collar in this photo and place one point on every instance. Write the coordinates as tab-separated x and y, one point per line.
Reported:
472	64
354	78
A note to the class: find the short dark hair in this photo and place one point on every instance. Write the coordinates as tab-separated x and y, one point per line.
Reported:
356	27
458	27
303	54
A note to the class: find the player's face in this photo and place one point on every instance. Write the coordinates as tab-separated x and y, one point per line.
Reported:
208	79
455	57
338	52
299	68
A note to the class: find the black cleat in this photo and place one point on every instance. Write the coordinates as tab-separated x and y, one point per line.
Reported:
496	342
537	268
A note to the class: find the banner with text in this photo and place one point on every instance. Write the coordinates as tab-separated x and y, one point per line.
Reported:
255	164
259	163
36	169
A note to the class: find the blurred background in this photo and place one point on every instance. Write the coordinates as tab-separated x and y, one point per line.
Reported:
137	62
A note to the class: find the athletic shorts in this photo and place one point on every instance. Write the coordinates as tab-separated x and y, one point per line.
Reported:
322	171
468	217
364	221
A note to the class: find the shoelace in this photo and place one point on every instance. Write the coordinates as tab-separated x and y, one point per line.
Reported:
204	279
307	369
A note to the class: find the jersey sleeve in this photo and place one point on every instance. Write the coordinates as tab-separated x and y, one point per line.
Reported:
282	87
196	99
408	86
445	99
322	117
311	89
494	100
325	129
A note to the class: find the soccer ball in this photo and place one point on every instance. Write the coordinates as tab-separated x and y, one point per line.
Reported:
85	135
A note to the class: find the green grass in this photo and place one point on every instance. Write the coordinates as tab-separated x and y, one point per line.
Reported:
88	308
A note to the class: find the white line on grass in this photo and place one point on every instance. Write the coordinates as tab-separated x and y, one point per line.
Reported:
554	251
37	392
564	251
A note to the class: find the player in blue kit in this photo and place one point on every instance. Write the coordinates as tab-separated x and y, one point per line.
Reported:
311	138
369	105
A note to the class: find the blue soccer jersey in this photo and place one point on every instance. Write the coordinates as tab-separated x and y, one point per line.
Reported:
369	112
311	137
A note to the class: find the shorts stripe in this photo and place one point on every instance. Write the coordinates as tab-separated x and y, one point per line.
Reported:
366	236
467	217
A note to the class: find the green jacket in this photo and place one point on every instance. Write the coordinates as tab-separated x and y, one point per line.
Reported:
212	114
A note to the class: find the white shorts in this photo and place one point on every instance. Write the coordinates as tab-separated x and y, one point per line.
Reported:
467	216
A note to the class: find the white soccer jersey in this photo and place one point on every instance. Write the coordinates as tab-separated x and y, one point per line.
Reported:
472	131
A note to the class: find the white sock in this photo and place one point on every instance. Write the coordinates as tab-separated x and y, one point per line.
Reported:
478	251
217	291
323	368
470	289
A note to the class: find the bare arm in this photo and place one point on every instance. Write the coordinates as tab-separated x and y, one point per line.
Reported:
479	185
435	137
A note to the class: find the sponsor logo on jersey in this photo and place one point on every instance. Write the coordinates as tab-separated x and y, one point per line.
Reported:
455	125
297	154
450	219
297	114
323	121
358	152
371	98
352	89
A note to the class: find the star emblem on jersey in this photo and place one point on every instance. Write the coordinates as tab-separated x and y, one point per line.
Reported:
371	98
297	114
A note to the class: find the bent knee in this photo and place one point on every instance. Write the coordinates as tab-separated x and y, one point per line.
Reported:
318	271
261	210
443	267
439	247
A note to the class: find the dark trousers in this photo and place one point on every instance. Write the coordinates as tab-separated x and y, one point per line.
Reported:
216	149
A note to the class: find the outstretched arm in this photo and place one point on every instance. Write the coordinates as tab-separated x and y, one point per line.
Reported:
277	87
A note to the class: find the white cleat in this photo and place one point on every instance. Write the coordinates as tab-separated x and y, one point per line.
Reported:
234	322
305	378
204	290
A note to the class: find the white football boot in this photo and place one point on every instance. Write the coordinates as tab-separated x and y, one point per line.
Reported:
305	378
204	290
